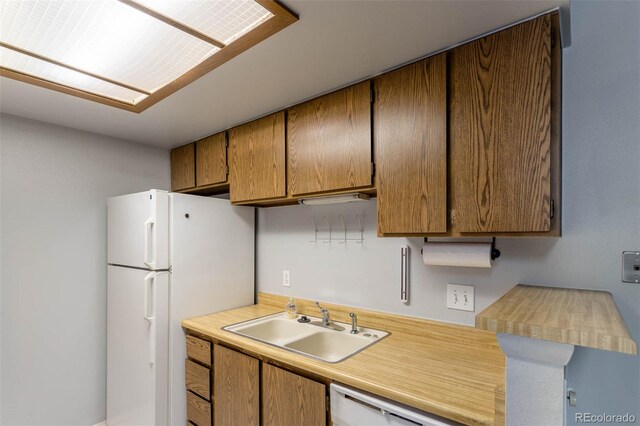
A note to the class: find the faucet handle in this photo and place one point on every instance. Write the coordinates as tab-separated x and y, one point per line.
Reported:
320	307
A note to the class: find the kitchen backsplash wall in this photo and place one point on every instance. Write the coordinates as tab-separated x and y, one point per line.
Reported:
601	191
55	185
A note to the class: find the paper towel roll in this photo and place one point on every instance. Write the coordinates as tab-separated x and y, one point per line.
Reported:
477	255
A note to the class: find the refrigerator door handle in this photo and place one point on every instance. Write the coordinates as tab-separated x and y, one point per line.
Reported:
149	283
148	224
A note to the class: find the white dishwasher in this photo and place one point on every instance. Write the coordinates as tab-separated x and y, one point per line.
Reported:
352	407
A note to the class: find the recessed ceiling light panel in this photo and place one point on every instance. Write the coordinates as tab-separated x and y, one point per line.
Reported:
128	53
66	77
222	20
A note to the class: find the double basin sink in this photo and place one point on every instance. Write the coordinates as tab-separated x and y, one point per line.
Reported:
332	344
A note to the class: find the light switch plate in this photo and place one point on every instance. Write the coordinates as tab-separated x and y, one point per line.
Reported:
631	267
286	279
460	297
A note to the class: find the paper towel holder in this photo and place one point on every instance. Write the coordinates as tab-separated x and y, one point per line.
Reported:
495	253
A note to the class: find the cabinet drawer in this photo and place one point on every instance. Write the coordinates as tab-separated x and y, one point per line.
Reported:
198	410
198	379
199	350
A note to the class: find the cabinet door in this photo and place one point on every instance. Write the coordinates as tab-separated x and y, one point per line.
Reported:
289	399
500	137
236	393
257	159
183	173
211	160
329	142
410	134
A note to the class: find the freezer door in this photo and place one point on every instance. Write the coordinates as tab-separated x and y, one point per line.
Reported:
138	230
137	347
212	260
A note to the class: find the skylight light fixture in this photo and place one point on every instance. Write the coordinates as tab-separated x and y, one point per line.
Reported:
128	53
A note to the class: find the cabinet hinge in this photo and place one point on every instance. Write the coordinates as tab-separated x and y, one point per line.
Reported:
373	95
227	170
328	403
226	139
552	209
373	168
452	216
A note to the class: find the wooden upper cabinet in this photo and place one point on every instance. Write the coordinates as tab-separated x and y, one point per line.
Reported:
290	399
329	142
183	173
410	136
236	379
211	160
257	159
500	131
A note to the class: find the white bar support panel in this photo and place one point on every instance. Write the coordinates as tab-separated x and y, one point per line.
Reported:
535	388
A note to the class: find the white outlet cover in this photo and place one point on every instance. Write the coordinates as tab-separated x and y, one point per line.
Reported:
286	279
461	297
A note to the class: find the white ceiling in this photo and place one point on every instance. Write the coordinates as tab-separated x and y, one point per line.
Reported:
334	43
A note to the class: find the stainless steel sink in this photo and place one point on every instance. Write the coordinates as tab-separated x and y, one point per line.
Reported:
308	339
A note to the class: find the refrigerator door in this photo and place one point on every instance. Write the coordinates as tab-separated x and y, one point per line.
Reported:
138	230
137	346
212	269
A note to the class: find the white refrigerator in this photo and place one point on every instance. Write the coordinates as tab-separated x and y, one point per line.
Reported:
170	257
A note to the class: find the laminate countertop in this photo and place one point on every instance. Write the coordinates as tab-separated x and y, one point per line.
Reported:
565	315
454	371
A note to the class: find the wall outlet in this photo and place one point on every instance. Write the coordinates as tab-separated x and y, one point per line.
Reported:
460	297
286	279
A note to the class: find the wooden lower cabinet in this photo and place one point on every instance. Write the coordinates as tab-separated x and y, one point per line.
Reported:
198	381
231	388
236	388
247	392
198	410
290	399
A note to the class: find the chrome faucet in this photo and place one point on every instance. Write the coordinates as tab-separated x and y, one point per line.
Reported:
326	320
354	323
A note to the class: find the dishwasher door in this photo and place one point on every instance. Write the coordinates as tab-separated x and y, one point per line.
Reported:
352	407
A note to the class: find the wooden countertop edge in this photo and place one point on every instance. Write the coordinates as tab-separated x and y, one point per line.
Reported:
545	332
499	322
261	350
